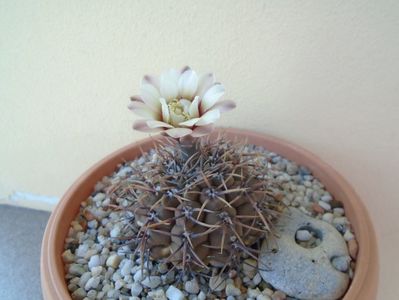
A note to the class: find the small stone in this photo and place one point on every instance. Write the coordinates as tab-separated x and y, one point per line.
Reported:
253	293
249	267
92	283
152	281
328	217
136	289
341	263
119	284
263	297
79	294
192	286
140	275
353	248
326	198
303	235
96	271
174	293
257	279
127	268
348	235
232	273
84	279
267	292
292	169
163	268
158	294
99	197
279	295
92	294
94	261
232	290
113	261
76	269
201	296
217	283
68	257
325	205
338	211
317	208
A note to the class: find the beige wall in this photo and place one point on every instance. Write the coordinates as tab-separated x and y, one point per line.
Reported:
323	74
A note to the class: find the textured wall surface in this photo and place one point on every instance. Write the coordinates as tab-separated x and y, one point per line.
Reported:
322	74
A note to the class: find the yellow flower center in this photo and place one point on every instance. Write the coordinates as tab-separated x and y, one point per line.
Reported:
177	112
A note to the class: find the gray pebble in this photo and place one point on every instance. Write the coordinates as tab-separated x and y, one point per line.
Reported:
341	263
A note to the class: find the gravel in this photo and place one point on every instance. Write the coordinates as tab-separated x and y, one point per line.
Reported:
98	267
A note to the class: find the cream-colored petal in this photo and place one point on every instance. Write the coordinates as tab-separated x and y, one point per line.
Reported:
224	106
178	132
202	130
150	79
212	96
137	98
188	84
169	84
143	110
186	104
193	109
165	110
205	81
209	117
150	96
189	123
141	125
157	124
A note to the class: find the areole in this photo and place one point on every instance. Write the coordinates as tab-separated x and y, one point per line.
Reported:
365	281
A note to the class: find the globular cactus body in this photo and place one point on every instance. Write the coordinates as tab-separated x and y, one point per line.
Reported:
202	209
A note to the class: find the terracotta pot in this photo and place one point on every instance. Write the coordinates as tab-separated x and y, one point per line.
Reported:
365	281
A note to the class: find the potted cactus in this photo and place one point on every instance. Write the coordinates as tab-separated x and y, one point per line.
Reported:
199	213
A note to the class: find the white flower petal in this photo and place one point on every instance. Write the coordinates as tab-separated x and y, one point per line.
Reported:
150	96
143	110
189	123
141	125
205	81
212	96
209	117
188	84
157	124
178	132
186	104
168	84
193	110
165	110
224	106
153	80
202	130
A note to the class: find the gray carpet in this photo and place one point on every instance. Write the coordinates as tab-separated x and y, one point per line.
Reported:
21	233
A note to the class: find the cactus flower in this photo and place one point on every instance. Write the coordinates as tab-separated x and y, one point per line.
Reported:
179	103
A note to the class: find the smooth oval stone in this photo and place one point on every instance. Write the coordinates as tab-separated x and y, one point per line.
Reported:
304	273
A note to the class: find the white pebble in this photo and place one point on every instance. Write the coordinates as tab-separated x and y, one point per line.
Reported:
253	293
257	279
232	290
127	268
192	286
339	211
96	271
158	294
325	205
113	261
328	217
94	261
348	236
303	235
152	281
217	283
326	198
174	293
92	283
136	289
68	257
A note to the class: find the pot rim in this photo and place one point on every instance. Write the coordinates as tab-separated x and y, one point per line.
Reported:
363	285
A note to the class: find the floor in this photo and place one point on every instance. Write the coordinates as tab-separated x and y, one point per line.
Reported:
21	233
